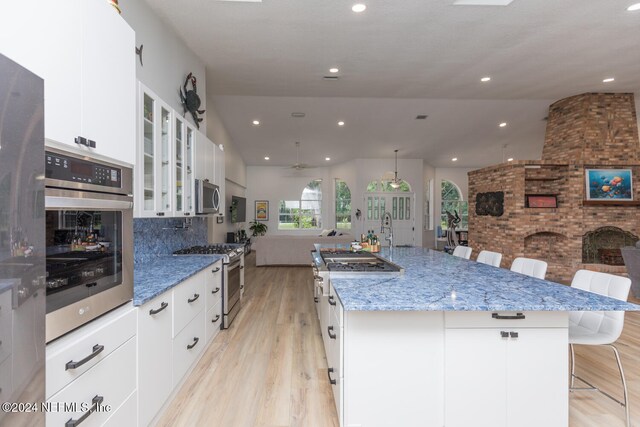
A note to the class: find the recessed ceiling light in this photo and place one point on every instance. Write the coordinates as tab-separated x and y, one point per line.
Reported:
455	159
608	80
634	7
340	123
485	79
256	122
327	158
266	157
358	7
503	124
510	159
334	70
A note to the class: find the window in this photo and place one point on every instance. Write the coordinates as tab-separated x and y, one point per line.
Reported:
372	187
343	205
452	201
387	188
304	213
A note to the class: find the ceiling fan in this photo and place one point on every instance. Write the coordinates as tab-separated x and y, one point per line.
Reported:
297	165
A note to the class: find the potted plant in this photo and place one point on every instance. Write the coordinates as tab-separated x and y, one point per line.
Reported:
258	228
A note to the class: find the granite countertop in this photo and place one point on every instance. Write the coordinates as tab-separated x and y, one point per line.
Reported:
436	281
156	276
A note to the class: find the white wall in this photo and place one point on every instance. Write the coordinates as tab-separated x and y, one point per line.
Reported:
429	236
167	59
274	183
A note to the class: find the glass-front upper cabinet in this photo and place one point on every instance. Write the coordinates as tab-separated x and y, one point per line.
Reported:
153	188
183	163
188	183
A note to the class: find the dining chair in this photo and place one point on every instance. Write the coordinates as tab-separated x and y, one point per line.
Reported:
462	252
600	328
530	267
490	258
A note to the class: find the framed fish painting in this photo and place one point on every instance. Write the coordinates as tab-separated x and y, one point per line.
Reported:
609	184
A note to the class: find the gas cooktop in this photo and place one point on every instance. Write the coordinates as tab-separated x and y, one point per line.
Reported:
223	249
368	267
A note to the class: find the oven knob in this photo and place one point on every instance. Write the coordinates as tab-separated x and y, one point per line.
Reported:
23	292
88	273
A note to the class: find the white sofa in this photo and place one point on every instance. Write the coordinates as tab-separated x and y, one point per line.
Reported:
291	250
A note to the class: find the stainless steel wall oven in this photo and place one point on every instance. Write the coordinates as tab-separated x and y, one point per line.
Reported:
89	239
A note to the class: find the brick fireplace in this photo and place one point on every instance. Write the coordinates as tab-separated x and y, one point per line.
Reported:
588	131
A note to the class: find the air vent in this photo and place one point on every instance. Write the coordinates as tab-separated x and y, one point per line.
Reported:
330	78
421	117
298	115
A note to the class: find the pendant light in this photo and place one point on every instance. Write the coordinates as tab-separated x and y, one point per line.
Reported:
395	184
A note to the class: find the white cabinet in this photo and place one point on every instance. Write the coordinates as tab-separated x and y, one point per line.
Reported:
219	174
519	374
188	301
183	150
205	158
188	346
154	356
82	365
83	52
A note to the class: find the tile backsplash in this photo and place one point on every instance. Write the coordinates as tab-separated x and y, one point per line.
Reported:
158	236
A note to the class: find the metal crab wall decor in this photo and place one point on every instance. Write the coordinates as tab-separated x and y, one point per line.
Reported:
191	100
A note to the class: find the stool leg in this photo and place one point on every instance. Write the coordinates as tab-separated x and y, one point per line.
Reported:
624	384
573	365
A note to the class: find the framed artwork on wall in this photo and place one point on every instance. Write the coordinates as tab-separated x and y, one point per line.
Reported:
262	210
613	185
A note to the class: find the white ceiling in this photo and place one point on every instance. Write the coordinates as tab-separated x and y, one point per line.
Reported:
399	59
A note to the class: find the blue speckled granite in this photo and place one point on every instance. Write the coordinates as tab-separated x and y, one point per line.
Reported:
151	238
159	274
435	281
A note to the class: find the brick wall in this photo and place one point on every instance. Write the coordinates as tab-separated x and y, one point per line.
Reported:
593	130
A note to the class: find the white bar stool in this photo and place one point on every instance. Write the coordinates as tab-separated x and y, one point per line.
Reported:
490	258
530	267
599	327
462	252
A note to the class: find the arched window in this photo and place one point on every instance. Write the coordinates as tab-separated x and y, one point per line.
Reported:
303	213
384	186
372	187
452	201
343	205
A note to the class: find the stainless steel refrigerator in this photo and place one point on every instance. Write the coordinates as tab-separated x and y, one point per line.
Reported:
22	251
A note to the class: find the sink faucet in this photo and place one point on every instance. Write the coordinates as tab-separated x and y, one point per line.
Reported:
386	223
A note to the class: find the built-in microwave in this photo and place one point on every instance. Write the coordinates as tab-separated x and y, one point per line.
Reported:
89	239
207	197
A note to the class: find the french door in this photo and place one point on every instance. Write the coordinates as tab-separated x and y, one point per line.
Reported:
401	206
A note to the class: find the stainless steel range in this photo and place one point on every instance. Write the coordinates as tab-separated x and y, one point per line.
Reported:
232	278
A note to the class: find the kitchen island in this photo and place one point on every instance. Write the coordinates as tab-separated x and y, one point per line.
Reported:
449	342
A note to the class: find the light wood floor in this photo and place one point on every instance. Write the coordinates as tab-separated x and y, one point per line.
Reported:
269	368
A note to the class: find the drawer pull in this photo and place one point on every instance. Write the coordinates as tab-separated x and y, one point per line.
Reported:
162	307
513	334
242	267
518	316
97	349
504	334
96	402
216	319
195	341
315	299
215	270
331	300
215	291
331	380
332	336
195	297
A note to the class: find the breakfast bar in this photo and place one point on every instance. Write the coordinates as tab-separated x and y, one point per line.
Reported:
447	342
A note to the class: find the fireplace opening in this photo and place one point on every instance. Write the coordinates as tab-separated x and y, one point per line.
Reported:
602	245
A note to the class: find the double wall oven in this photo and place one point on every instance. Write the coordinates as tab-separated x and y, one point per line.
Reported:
89	239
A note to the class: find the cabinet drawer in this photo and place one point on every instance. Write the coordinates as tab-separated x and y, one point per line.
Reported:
213	321
187	347
337	312
492	319
188	300
154	356
126	414
5	381
6	324
113	379
99	337
213	284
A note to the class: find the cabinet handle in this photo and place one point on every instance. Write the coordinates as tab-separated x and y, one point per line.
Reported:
518	316
332	336
215	291
97	349
318	278
504	334
216	319
91	285
242	267
158	310
242	287
160	213
331	300
513	334
215	270
187	213
195	297
331	381
195	341
97	400
315	299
